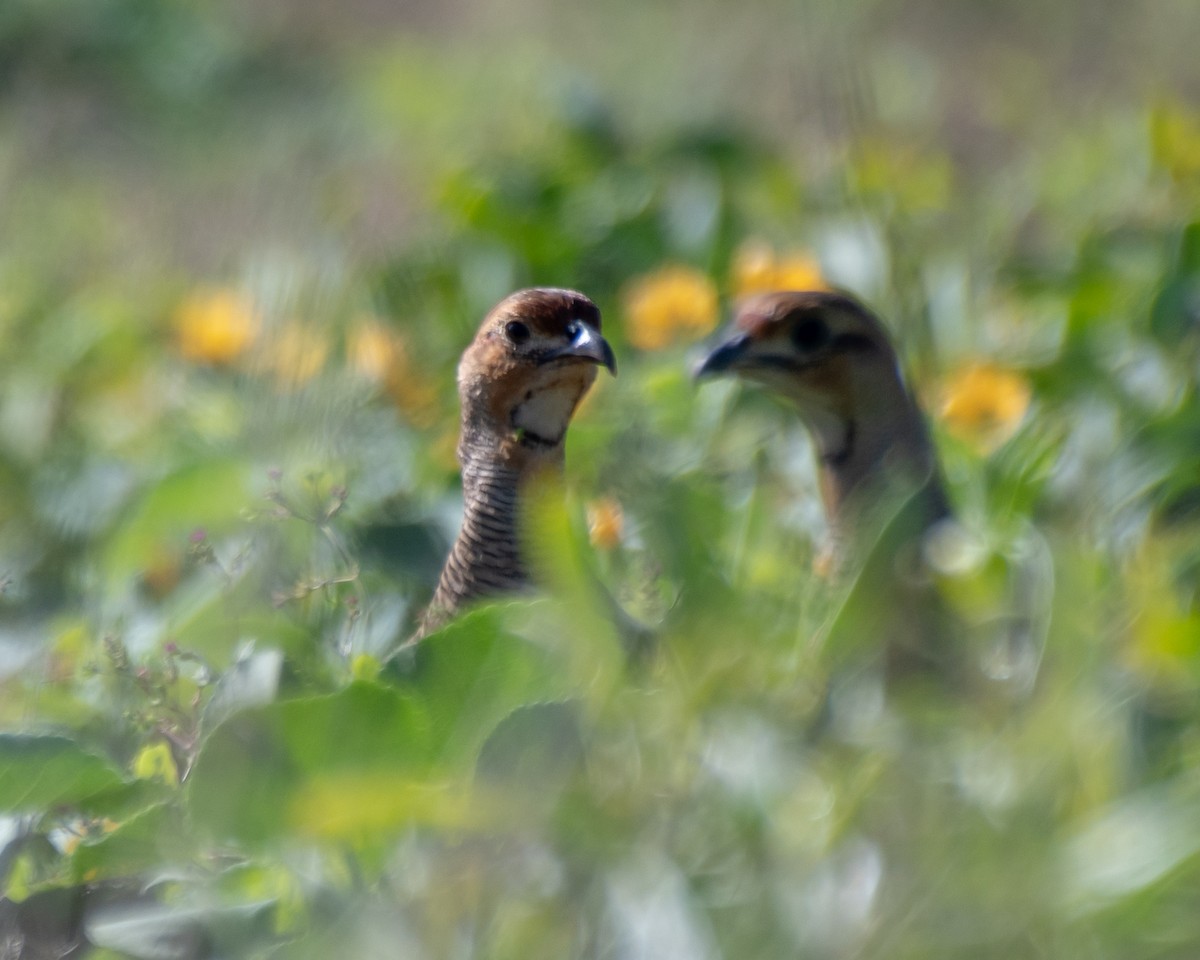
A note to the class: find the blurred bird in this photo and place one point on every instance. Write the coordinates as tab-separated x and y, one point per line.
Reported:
519	382
879	478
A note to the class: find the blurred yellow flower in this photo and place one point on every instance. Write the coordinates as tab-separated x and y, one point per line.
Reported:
983	404
381	356
1175	139
671	304
215	326
758	269
372	350
295	355
606	522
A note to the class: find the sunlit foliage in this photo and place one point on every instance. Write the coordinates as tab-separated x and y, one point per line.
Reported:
227	483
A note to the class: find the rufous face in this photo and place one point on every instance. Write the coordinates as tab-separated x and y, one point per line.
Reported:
809	346
531	362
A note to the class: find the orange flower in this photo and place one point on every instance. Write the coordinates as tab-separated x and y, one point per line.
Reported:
606	522
983	404
215	326
673	303
758	269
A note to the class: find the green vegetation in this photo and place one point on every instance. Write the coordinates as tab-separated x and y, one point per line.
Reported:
241	254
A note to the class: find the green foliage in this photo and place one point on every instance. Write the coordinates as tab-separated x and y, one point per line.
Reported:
37	773
227	485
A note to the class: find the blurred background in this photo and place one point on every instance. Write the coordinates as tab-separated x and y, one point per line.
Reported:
241	249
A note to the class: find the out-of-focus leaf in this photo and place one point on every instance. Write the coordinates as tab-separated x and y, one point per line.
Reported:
257	774
126	800
534	747
42	772
158	932
251	681
146	842
1175	313
475	672
209	495
1130	845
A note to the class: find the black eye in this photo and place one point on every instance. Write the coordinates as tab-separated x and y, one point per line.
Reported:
573	329
516	331
808	335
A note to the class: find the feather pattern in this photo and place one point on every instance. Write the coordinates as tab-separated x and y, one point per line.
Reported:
519	381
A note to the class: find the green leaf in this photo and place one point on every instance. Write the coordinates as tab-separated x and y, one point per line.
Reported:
145	842
529	759
126	800
208	495
38	773
473	674
322	766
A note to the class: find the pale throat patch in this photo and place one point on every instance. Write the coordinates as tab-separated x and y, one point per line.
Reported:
547	413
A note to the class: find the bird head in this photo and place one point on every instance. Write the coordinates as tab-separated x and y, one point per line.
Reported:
833	358
823	351
523	375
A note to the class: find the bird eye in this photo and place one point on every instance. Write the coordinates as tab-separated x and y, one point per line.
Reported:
573	329
808	335
516	331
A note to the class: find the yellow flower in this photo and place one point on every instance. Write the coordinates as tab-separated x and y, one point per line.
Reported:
295	355
758	269
372	350
215	326
983	404
382	356
671	304
606	522
1175	139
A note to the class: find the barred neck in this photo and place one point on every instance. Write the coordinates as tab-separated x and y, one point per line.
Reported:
486	557
885	464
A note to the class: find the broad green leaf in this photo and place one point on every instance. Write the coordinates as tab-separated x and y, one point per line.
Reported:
126	800
474	673
298	766
528	761
147	841
209	495
38	773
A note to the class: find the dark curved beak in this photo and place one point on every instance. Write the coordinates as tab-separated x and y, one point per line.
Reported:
588	344
723	357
